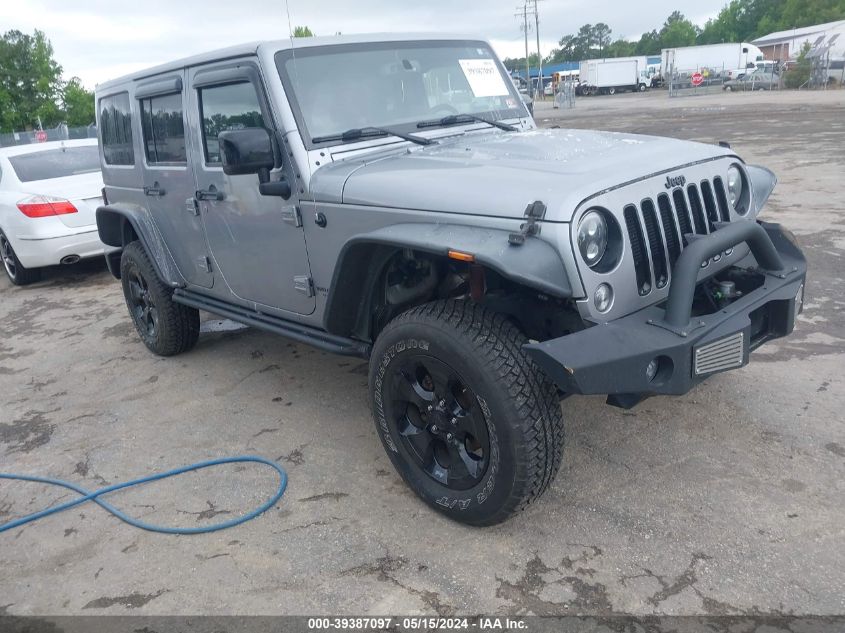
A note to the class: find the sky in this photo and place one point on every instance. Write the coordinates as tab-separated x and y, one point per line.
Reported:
97	40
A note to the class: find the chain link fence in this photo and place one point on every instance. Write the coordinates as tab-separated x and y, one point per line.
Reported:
565	95
699	81
59	133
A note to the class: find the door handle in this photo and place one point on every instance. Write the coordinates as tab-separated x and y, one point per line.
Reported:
156	191
212	193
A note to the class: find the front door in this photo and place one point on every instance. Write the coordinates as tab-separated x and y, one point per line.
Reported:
256	241
168	180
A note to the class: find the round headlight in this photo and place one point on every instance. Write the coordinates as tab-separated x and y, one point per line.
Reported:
735	186
592	237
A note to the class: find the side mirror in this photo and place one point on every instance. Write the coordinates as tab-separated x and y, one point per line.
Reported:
246	151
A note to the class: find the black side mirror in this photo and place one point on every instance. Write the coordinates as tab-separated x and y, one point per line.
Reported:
246	151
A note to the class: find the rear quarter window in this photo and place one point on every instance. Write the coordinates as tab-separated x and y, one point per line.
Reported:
116	130
56	163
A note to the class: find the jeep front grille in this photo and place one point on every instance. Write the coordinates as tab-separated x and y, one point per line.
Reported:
657	232
723	354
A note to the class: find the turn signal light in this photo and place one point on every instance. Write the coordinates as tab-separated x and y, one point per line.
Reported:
45	206
461	256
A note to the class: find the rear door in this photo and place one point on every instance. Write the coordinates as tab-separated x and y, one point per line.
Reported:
256	241
168	181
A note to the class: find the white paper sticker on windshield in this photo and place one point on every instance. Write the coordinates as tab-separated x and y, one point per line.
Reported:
484	77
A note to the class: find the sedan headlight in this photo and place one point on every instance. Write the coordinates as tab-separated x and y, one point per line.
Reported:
592	237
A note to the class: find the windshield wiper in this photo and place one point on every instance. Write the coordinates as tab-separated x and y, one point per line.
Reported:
455	119
357	133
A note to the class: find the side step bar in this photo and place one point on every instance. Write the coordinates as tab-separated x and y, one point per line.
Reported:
296	331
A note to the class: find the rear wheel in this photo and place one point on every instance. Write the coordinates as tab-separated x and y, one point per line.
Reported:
611	91
167	328
17	273
466	418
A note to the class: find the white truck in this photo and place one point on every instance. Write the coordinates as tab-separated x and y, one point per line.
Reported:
609	76
723	61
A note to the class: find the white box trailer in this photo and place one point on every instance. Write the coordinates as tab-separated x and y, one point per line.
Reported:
728	61
609	76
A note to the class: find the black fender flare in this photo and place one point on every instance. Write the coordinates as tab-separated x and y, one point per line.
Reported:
535	264
120	223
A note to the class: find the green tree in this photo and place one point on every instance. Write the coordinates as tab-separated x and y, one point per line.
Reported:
649	44
302	31
601	36
77	103
677	31
799	75
30	82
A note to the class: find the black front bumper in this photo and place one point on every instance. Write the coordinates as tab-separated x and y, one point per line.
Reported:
613	358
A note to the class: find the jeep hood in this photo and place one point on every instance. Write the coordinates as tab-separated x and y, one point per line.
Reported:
500	173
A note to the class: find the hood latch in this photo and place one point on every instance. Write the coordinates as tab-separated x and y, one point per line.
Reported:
535	211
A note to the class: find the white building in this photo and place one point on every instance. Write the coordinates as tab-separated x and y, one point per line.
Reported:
785	45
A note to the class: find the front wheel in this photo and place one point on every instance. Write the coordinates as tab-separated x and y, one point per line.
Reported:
167	328
467	419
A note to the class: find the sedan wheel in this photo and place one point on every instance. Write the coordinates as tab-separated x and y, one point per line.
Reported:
17	273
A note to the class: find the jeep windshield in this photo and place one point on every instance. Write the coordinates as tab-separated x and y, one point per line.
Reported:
394	86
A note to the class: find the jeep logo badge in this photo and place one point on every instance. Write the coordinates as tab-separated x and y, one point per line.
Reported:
675	181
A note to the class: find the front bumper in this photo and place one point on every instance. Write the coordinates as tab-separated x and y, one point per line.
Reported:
613	358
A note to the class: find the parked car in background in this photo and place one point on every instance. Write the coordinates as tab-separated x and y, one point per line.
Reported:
49	193
757	80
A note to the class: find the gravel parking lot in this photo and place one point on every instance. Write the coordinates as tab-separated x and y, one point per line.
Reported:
728	500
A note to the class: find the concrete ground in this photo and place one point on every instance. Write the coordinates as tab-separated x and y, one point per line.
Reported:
728	500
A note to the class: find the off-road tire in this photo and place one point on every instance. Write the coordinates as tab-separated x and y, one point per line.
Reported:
15	271
519	404
177	326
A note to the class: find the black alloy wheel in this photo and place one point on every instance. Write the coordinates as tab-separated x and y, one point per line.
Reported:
142	304
439	422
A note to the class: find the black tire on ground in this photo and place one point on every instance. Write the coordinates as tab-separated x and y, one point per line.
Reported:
166	328
642	87
611	91
15	271
469	422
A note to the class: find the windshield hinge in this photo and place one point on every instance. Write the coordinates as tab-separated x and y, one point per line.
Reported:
535	211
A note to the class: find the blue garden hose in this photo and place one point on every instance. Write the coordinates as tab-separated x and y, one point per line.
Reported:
94	496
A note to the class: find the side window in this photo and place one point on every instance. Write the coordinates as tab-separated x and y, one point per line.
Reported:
116	130
164	129
228	107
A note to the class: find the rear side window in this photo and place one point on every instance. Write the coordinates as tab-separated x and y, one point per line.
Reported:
116	130
56	163
164	130
229	107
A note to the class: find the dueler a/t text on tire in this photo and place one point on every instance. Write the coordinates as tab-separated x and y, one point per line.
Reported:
167	328
470	423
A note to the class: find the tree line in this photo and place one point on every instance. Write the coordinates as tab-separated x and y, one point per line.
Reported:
738	21
32	88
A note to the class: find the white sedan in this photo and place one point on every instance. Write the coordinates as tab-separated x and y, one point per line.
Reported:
49	193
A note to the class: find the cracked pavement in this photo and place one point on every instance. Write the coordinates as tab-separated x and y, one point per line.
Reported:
728	500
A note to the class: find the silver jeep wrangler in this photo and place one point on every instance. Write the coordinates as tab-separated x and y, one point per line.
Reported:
390	198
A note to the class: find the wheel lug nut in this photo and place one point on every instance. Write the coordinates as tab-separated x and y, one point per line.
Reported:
431	407
449	436
442	403
434	429
454	421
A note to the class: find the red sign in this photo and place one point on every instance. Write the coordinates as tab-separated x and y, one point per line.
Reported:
40	136
697	79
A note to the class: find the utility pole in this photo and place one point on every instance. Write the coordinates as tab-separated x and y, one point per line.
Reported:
539	54
524	10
